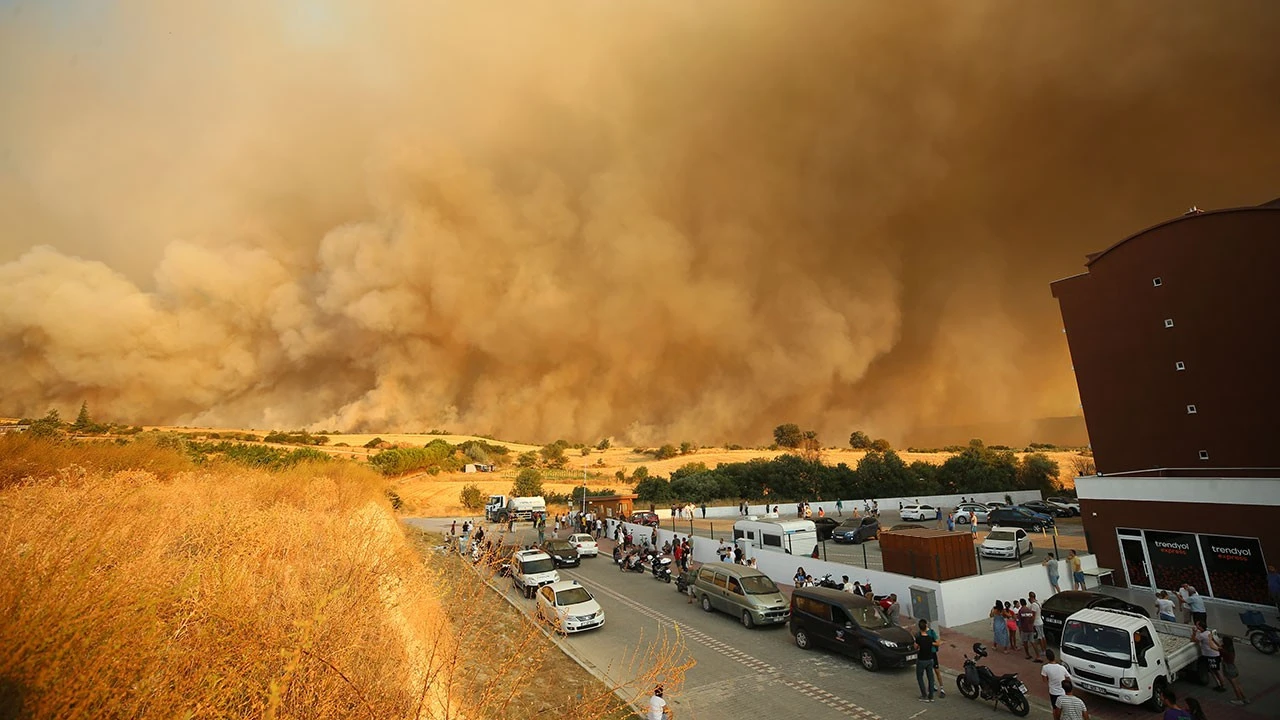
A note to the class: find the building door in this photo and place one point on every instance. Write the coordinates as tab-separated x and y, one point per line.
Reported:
1133	553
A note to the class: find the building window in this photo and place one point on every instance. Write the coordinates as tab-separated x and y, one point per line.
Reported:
1168	322
1156	282
1179	365
1204	454
1191	409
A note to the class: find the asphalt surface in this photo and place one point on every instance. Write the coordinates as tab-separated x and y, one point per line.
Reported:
737	672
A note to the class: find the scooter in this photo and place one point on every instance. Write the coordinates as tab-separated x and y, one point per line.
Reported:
1263	637
980	680
661	568
632	563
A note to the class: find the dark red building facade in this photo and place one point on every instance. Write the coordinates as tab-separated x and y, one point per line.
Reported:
1175	340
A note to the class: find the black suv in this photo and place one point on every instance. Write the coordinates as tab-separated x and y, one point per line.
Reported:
1058	608
856	531
1019	517
1044	508
849	624
562	552
825	526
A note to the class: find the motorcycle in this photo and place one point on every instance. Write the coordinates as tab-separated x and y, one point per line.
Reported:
1263	637
980	680
682	583
661	568
632	563
827	582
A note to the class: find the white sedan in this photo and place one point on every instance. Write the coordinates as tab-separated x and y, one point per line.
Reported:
569	606
1010	543
918	512
585	544
962	512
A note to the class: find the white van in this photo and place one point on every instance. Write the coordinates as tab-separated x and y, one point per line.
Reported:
797	537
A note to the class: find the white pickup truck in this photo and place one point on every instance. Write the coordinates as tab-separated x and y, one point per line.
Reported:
1125	656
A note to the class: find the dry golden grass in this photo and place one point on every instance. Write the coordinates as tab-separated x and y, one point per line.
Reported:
223	592
22	455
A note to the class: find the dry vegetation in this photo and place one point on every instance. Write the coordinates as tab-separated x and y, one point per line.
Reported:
223	592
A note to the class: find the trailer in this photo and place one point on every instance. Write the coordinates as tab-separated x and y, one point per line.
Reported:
797	537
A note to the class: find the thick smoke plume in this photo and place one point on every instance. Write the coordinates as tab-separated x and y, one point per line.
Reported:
656	220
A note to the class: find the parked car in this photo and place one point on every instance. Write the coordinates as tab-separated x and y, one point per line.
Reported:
963	510
825	526
856	530
1071	504
531	569
644	517
1063	605
1010	543
585	545
562	552
849	624
569	606
1044	508
1019	517
918	512
741	591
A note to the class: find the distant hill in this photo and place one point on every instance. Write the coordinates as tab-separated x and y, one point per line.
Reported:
1060	431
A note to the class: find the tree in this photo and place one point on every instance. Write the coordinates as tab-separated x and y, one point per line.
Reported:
373	443
640	473
586	451
48	426
527	459
687	448
788	435
666	451
811	446
859	440
603	444
653	490
1038	471
471	498
528	483
83	422
553	454
881	445
1083	466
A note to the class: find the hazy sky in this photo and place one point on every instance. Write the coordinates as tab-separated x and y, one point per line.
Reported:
657	220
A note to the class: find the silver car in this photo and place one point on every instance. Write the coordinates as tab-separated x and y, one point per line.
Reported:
963	510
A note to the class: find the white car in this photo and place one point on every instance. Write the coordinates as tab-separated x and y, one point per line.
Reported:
569	606
1068	503
962	512
1010	543
918	512
585	544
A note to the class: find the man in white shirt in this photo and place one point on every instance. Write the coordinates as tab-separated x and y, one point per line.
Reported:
658	706
1053	674
1069	706
1034	604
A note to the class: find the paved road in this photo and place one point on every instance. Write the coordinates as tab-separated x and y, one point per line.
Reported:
757	673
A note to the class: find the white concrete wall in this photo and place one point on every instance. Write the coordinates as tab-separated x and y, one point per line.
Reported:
788	510
969	599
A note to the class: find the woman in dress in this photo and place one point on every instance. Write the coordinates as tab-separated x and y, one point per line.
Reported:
999	629
1011	624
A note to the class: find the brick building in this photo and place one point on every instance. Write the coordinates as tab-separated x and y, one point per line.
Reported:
1174	335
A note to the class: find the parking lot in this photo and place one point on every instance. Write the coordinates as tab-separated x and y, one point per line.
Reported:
1070	535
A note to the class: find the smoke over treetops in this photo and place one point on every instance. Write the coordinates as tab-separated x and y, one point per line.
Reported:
655	220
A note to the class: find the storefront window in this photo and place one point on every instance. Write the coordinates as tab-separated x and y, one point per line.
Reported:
1236	569
1175	559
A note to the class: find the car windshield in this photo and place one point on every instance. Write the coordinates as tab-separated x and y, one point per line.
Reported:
758	585
1067	604
1097	643
851	524
1000	535
581	539
572	596
870	617
1024	512
540	565
559	546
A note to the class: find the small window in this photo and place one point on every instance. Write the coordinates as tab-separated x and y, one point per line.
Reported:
771	540
1179	365
738	534
1168	322
1204	454
1191	409
722	580
735	587
1156	282
707	576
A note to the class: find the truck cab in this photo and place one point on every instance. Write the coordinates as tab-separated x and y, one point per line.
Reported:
1125	656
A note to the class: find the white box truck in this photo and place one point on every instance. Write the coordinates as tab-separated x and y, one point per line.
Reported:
797	537
500	508
1126	656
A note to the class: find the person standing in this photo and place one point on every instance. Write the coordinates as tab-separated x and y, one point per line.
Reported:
453	528
1077	573
1011	621
973	525
658	709
1053	673
1027	628
951	522
926	659
1195	601
894	612
840	508
999	629
937	642
1051	568
1230	671
1164	607
704	511
1211	651
1069	707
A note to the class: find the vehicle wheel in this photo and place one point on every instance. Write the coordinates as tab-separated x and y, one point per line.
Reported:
706	604
1037	528
1155	703
967	690
802	640
869	660
747	621
1262	643
1017	703
962	520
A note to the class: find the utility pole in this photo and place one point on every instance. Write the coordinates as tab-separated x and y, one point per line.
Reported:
584	489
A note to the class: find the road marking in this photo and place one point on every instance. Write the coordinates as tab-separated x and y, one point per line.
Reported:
805	688
918	714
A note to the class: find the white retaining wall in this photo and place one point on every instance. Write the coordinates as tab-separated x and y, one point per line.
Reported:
960	601
788	510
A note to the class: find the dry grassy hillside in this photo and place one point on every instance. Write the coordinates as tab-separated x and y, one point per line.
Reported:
216	591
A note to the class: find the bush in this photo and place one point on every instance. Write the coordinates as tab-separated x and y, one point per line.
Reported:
374	443
528	483
603	444
470	498
666	451
688	448
435	457
881	445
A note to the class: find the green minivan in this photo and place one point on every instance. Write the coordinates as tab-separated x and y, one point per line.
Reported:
741	591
